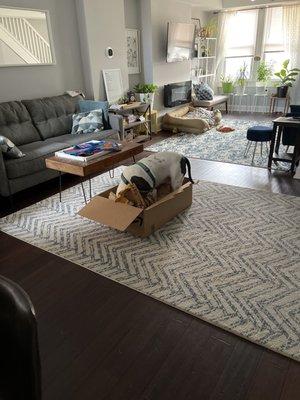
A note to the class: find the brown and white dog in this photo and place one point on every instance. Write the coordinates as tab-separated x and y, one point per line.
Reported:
154	170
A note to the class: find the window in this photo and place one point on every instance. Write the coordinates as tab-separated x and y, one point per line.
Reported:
254	33
241	42
274	46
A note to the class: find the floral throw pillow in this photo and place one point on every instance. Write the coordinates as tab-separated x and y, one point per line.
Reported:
203	91
87	122
9	149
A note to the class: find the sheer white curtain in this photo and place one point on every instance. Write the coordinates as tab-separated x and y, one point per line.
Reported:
224	22
291	32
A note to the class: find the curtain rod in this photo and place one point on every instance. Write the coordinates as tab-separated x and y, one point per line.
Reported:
258	7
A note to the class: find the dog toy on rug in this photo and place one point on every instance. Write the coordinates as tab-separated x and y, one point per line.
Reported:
225	129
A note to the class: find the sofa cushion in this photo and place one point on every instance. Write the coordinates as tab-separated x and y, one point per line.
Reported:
87	122
52	116
203	91
34	160
71	140
16	124
90	105
210	103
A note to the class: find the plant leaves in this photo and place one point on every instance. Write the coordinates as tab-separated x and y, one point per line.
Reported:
283	72
285	63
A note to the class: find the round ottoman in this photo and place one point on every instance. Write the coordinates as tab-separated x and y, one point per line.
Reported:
255	134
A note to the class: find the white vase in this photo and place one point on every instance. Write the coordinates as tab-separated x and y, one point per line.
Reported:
260	87
240	90
146	98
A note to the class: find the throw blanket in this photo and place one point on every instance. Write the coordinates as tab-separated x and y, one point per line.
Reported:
211	117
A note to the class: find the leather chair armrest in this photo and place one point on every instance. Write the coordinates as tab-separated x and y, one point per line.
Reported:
116	122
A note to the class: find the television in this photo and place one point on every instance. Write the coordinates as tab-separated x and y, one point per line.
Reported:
177	93
181	41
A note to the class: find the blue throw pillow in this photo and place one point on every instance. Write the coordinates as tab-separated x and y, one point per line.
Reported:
203	91
87	122
91	105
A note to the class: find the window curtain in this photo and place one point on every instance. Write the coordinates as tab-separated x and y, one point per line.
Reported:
225	19
291	33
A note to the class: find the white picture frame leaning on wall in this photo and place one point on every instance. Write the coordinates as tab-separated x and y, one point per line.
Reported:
113	84
133	51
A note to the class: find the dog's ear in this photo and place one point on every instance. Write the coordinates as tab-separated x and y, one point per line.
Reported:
141	184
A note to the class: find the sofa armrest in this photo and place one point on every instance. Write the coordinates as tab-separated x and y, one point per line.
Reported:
4	184
116	122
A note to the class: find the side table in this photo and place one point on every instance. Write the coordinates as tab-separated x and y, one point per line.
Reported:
274	100
138	109
238	104
256	97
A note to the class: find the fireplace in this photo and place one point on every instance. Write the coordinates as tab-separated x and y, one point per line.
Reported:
177	93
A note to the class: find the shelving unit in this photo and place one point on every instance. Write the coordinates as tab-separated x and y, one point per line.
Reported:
138	109
203	66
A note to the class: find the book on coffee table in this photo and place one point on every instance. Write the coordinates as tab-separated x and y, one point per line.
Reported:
91	150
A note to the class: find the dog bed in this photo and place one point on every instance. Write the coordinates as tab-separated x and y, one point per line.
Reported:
191	120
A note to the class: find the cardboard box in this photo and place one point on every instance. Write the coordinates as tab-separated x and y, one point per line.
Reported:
139	222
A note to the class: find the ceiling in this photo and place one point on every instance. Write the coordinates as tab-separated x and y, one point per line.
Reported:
218	4
204	4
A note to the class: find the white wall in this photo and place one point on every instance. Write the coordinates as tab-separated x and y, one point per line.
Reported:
132	13
26	82
147	40
163	72
102	24
199	13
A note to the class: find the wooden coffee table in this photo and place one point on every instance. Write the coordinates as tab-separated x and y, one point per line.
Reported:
93	168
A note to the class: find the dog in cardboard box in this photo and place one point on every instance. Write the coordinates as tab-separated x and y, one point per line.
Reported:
154	170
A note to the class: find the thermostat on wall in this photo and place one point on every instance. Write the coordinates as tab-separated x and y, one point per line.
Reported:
109	52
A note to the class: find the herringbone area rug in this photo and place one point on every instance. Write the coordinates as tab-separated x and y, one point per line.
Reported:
232	259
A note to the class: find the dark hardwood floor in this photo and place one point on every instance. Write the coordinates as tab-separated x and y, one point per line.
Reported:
101	340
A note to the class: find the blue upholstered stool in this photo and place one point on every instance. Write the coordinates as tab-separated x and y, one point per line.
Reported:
255	134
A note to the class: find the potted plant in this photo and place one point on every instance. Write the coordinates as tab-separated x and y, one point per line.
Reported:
227	84
210	29
264	72
287	77
241	79
145	92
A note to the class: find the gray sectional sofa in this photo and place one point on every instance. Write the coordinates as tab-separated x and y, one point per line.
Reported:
39	128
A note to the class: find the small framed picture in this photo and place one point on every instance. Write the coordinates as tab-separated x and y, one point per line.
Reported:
133	51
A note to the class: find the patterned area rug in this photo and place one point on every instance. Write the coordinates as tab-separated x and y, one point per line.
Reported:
232	259
216	146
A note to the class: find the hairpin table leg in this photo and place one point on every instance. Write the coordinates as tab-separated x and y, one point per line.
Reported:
112	173
83	192
59	180
90	187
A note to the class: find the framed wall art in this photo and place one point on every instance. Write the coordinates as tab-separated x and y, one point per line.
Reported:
133	51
